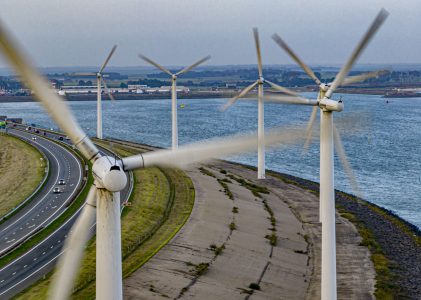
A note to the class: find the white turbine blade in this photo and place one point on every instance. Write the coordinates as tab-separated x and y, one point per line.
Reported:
381	17
107	59
242	94
259	55
148	60
291	53
70	260
345	163
360	78
203	151
310	127
107	90
186	69
281	89
54	104
289	100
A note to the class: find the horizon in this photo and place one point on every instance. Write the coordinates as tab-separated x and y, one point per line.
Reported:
64	34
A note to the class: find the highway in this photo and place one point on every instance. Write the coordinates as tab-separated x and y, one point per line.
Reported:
34	264
45	206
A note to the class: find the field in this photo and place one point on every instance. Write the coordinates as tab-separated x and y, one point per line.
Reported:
21	171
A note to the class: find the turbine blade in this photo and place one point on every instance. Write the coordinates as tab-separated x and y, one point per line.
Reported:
360	78
345	163
259	55
107	59
203	151
381	17
52	102
241	94
150	61
281	89
186	69
107	90
310	128
275	98
291	53
70	260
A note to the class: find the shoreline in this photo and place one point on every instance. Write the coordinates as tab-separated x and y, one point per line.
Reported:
195	95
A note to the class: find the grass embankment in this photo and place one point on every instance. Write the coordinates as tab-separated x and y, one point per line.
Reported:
160	204
22	168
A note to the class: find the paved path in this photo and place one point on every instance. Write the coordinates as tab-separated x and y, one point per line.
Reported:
285	271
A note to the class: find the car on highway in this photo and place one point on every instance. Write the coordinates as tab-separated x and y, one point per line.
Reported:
34	138
56	190
60	138
61	182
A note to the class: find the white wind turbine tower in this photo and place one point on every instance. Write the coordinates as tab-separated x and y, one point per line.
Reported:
329	135
101	81
103	200
174	92
260	114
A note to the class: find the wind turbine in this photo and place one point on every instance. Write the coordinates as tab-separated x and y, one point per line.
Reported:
260	114
103	200
174	92
100	81
328	136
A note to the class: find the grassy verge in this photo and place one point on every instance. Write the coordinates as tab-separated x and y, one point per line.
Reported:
22	168
160	204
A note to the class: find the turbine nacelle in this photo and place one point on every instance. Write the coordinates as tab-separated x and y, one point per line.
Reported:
261	80
331	105
174	77
324	87
108	175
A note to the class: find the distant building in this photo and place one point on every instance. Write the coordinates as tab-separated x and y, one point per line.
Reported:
167	89
76	89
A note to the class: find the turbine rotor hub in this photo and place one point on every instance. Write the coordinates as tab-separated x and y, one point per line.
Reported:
108	173
174	77
261	80
331	105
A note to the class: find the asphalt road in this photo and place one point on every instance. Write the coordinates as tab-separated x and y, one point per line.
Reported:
45	206
40	260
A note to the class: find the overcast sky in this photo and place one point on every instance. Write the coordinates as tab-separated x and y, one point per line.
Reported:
81	32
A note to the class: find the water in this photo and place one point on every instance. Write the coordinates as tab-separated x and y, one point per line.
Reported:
382	140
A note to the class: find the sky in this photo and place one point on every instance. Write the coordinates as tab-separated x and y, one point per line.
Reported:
81	32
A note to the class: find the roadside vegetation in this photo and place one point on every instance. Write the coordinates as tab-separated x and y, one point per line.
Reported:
160	204
22	169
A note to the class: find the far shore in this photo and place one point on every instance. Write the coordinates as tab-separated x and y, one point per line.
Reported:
190	95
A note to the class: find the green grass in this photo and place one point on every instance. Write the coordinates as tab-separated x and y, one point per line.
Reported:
273	239
207	172
227	191
217	250
385	287
22	169
161	203
255	189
